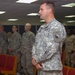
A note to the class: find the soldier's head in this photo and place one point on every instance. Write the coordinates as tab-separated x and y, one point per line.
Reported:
27	27
14	28
47	10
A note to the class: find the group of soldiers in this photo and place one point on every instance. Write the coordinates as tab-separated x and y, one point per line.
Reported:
70	48
20	46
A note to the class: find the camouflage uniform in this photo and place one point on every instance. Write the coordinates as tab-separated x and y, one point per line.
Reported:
73	55
48	48
9	36
15	45
70	50
49	73
3	38
28	39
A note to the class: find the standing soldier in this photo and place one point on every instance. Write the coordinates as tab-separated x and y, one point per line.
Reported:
28	39
73	55
14	45
3	40
47	50
70	49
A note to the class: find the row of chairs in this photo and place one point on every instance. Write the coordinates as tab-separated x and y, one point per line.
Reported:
8	64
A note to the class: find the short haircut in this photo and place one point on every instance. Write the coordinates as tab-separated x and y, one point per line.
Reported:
15	26
28	24
49	4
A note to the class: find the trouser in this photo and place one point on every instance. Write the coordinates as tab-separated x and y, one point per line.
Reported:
27	67
27	71
40	72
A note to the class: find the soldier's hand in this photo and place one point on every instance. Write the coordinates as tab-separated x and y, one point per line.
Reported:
38	66
34	62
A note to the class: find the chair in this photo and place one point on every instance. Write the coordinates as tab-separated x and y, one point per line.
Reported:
2	61
10	65
71	71
65	70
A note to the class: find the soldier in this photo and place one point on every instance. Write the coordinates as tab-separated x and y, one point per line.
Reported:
15	45
70	49
4	40
28	39
46	52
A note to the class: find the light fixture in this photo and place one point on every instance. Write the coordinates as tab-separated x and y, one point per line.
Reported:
25	1
42	20
70	21
2	12
33	14
12	19
70	16
68	5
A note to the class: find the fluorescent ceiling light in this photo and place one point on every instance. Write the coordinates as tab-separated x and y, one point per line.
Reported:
70	21
42	20
12	19
25	1
70	16
69	5
33	14
2	12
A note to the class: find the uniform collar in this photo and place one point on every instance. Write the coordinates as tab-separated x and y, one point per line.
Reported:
48	24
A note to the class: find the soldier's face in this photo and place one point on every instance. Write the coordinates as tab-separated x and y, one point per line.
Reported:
14	29
44	11
27	27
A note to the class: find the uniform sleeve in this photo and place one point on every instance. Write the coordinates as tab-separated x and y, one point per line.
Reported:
32	38
2	43
50	48
51	43
6	37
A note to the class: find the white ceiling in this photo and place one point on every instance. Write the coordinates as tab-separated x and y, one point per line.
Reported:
20	11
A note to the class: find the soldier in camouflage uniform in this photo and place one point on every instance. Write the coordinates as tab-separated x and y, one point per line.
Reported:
4	40
73	52
73	55
46	52
28	39
14	46
70	49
